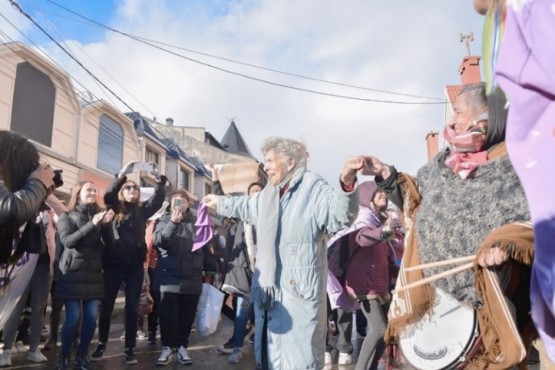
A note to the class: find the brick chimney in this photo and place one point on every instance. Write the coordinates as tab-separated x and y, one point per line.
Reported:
470	70
432	144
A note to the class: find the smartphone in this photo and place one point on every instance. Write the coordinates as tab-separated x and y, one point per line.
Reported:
142	166
177	203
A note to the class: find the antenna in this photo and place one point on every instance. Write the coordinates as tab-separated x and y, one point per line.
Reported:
467	39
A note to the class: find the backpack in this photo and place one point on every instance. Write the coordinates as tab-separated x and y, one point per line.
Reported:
339	258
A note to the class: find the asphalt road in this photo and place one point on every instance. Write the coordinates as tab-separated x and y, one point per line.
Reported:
202	351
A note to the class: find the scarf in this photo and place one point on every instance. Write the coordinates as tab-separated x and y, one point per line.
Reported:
264	280
204	228
466	155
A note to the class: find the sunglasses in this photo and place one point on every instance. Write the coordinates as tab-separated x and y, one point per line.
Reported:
131	187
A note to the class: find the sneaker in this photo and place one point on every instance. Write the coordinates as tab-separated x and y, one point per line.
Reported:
533	356
130	358
19	347
236	356
52	343
45	332
98	352
36	356
6	358
63	363
82	362
183	356
227	347
251	338
327	358
345	359
151	337
166	356
141	334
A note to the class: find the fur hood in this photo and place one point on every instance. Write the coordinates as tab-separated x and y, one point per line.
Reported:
456	215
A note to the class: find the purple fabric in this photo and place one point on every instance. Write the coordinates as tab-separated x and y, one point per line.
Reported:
526	72
337	297
204	228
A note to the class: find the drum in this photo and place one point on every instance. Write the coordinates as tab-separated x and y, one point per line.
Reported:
444	339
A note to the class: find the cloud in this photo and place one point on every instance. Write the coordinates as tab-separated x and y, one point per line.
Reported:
404	46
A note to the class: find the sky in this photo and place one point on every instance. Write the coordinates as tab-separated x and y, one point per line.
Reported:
332	74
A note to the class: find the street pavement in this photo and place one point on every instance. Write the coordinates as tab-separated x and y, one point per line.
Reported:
203	351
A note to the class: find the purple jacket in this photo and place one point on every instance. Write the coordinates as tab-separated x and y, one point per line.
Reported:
368	271
526	72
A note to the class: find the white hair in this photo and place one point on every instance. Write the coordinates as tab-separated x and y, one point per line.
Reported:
289	148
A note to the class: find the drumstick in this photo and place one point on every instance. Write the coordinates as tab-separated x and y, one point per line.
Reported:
436	277
439	263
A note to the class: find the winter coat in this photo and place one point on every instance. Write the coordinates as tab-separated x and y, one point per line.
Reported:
23	206
297	324
238	273
368	271
177	265
129	232
18	207
79	274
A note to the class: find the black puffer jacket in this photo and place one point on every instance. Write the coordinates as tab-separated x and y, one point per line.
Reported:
79	274
129	232
177	264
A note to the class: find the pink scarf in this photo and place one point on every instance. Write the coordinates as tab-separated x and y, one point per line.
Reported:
466	155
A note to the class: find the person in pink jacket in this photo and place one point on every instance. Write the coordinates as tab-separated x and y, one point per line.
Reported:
369	268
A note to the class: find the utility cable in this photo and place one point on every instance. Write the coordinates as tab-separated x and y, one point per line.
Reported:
18	8
101	25
242	74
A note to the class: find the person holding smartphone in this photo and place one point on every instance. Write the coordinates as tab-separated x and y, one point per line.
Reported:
85	232
125	262
179	275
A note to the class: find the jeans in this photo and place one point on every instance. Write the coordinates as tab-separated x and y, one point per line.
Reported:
155	292
242	315
37	289
177	315
114	276
89	307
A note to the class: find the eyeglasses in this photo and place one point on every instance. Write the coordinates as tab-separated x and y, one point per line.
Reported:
131	187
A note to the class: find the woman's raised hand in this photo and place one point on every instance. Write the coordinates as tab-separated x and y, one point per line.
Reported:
350	169
45	174
374	167
211	200
127	169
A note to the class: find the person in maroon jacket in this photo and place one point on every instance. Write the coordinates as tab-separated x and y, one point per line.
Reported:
368	276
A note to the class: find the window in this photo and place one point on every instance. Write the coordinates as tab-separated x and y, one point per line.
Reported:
33	104
110	145
207	189
151	156
183	179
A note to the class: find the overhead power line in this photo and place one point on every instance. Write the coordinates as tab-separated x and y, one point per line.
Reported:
152	44
18	8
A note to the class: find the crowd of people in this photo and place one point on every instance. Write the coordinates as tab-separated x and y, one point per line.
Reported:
298	252
275	259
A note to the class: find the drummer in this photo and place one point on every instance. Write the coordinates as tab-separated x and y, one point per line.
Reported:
466	201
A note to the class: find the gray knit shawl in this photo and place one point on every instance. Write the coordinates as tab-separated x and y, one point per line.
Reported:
456	215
